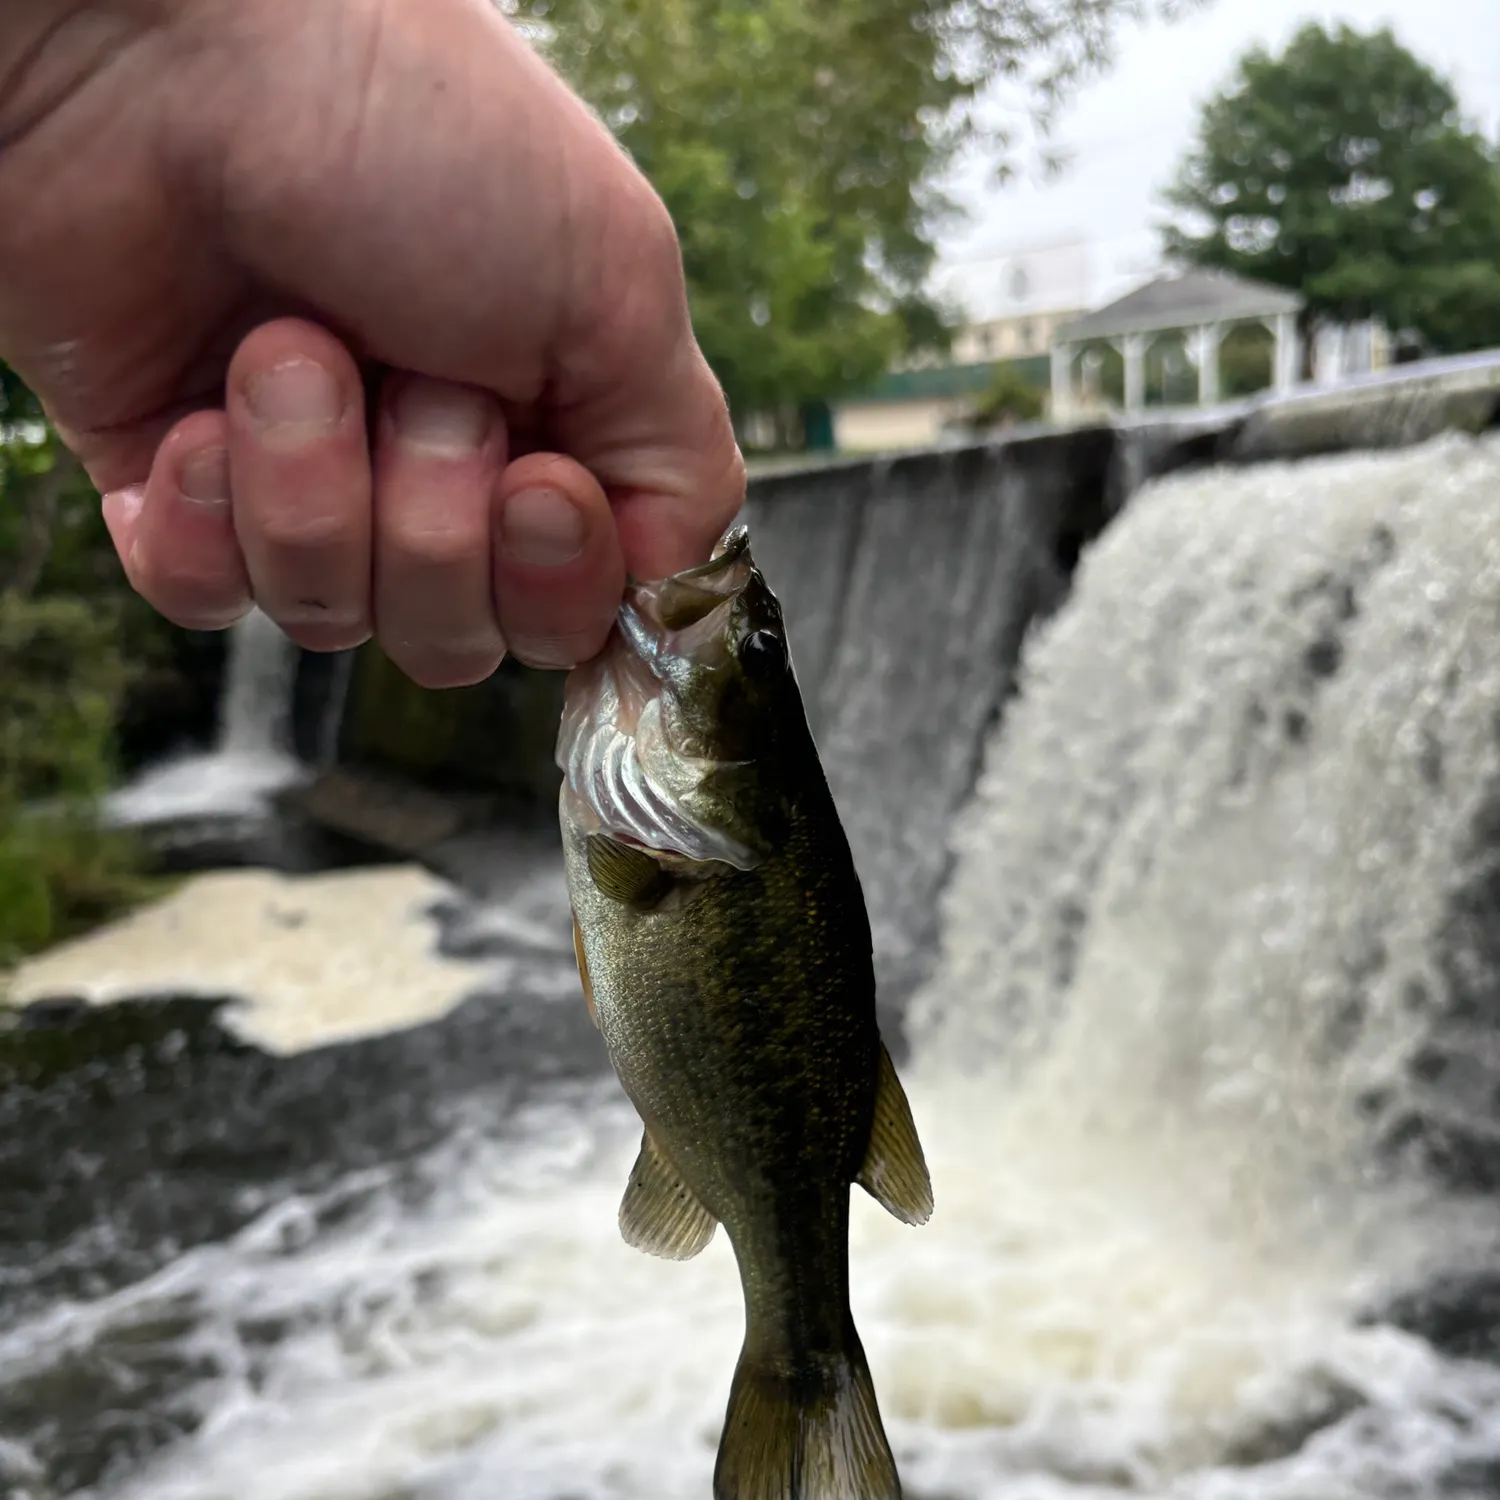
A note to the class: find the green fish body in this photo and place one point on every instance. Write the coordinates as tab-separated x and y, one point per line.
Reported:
725	953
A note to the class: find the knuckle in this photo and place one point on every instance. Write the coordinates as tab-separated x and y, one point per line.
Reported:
286	529
193	599
440	549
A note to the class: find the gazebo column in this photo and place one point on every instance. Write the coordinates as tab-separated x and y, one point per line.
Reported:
1206	341
1062	379
1288	362
1132	347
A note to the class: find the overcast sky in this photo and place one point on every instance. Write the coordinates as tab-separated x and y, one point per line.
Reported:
1127	130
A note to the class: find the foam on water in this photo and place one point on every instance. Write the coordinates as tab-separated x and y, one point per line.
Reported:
1203	877
288	945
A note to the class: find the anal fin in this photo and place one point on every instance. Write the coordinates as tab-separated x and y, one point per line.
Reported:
660	1213
895	1173
625	873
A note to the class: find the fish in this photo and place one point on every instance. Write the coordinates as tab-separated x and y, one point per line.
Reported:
725	956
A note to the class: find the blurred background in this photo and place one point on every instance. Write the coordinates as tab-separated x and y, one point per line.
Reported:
1121	389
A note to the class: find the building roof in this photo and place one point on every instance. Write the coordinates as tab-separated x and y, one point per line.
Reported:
931	381
1182	299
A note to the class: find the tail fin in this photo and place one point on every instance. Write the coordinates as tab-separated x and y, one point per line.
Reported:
807	1434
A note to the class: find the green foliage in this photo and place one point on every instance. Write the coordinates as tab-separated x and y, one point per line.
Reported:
64	654
1010	397
1246	361
1343	170
61	874
797	147
25	899
61	675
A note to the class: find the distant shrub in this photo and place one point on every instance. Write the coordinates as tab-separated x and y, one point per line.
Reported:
1010	397
62	671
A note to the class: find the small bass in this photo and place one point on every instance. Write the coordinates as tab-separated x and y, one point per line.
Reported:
725	953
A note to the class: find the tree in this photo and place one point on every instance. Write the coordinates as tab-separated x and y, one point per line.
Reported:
1343	170
1009	397
798	148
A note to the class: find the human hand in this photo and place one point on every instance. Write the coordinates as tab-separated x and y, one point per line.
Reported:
354	310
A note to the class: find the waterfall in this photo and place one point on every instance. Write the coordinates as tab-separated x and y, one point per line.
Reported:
252	756
256	703
1229	863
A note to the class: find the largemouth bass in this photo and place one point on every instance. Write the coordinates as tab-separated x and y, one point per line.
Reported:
725	954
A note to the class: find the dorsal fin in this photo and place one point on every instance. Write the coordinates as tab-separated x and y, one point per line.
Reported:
894	1173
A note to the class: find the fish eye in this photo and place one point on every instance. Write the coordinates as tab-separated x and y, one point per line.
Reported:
763	655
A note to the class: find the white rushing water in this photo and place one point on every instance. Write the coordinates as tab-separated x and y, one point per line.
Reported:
1208	861
252	757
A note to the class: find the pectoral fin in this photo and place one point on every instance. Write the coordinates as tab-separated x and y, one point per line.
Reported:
659	1213
895	1171
583	974
624	873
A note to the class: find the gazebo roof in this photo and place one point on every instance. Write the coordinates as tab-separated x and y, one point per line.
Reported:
1182	299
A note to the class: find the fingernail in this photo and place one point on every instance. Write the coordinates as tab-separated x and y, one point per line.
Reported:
298	393
541	527
121	507
204	477
443	419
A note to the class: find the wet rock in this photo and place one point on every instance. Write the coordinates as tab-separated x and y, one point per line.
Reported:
1458	1313
1323	1403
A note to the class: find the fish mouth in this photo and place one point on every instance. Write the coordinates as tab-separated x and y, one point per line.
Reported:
664	625
681	613
621	774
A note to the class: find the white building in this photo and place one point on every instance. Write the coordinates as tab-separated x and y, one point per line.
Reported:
1180	317
1015	300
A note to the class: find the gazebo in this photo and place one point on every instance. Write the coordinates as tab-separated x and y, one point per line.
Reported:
1200	305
